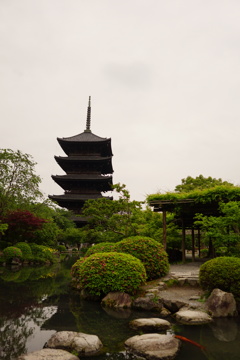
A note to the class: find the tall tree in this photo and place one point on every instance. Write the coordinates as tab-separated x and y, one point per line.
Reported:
199	183
19	185
112	220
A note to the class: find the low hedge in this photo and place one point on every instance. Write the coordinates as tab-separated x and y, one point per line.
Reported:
101	247
222	273
149	251
102	273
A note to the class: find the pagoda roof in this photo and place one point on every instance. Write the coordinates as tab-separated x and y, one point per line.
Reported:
83	158
83	177
78	197
103	164
86	136
78	144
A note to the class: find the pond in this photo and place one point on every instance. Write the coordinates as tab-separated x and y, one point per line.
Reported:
37	302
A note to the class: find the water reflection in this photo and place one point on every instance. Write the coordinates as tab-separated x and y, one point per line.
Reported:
36	302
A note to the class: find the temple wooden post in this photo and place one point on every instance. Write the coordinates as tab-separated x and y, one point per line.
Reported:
193	245
199	243
183	243
164	230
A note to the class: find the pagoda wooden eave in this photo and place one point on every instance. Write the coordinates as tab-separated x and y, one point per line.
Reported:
80	142
82	178
103	164
68	182
77	198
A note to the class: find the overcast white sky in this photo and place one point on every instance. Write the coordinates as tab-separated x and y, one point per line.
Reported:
164	76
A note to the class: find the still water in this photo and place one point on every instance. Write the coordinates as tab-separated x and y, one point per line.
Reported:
37	302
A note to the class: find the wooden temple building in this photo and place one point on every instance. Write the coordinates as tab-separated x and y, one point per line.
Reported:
88	168
185	208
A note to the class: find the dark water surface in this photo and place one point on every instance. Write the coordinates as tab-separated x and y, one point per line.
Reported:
37	302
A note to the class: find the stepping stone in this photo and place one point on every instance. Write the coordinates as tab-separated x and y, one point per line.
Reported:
192	317
153	346
83	344
151	324
49	354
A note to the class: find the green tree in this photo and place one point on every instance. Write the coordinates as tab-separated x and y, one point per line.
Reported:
199	183
58	222
72	237
19	185
222	232
112	220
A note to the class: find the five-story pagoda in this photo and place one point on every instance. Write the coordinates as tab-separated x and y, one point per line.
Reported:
88	167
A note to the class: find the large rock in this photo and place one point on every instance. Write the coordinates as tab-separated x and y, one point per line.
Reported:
153	346
192	317
173	305
221	304
83	344
117	300
49	354
147	303
151	324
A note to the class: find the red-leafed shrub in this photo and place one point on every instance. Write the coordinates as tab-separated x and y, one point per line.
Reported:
21	225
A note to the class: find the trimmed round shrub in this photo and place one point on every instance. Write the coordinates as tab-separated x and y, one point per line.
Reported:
101	247
12	252
26	250
75	274
102	273
222	273
149	251
42	253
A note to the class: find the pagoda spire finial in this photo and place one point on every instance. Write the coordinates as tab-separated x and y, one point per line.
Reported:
88	122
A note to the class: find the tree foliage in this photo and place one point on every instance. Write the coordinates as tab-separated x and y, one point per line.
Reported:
22	225
19	185
113	219
223	230
199	183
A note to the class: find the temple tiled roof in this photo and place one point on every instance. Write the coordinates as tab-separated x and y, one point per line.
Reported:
86	136
78	197
88	177
83	158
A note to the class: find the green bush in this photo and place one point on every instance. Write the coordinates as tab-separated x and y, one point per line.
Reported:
222	273
75	272
12	252
42	253
101	247
149	251
26	250
61	248
102	273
